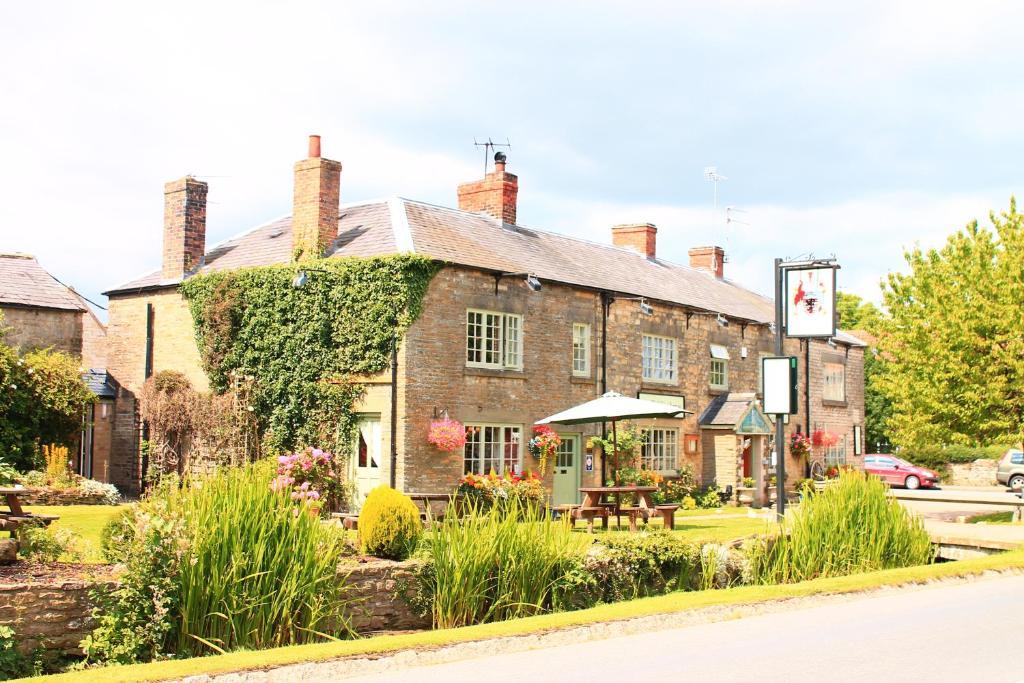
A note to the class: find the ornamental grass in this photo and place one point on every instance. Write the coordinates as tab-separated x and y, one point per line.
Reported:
851	526
496	564
260	571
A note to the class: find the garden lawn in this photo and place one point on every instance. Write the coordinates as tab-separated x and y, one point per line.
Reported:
85	521
709	527
993	518
663	604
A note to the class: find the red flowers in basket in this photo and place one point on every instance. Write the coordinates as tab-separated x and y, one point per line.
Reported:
447	435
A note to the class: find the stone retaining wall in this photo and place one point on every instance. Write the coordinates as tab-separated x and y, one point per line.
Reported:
56	613
978	473
377	588
50	496
54	616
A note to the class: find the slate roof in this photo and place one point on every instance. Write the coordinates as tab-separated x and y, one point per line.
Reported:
100	383
725	410
23	282
478	240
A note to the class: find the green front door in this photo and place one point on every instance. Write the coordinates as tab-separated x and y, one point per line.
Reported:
565	490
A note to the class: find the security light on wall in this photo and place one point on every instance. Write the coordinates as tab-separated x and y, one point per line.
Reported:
533	283
646	308
831	342
722	321
771	327
300	280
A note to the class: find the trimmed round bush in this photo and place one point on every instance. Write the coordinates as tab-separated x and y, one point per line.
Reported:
389	524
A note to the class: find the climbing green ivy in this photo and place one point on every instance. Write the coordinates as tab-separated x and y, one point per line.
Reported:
305	347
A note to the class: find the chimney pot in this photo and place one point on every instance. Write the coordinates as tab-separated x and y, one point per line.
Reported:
497	194
639	237
710	259
314	146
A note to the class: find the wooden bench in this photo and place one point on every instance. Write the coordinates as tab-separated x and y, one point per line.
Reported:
347	520
11	522
635	513
588	513
668	515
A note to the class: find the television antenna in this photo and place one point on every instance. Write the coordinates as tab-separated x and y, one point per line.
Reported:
489	146
712	175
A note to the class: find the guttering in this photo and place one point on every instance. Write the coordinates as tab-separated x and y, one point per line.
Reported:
394	412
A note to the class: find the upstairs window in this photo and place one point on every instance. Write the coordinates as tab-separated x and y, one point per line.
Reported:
581	350
659	359
718	377
494	340
835	381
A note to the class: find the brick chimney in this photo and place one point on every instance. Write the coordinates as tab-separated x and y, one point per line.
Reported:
640	237
184	227
711	259
315	204
495	194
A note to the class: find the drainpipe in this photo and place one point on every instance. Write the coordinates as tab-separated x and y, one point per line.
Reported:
807	398
394	412
606	303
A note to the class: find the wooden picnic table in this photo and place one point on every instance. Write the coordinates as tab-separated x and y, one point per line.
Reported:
15	515
426	499
593	506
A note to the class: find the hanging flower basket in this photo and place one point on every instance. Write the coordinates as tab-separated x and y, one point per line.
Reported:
822	438
543	446
447	435
799	445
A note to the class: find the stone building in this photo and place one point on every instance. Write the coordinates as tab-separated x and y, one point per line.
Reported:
39	311
519	323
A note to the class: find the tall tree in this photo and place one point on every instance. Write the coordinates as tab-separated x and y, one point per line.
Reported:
954	342
857	314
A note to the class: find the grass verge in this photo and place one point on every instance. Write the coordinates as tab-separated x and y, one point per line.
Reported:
664	604
992	518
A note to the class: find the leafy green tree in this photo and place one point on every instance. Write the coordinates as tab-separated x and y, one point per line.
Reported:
857	314
953	346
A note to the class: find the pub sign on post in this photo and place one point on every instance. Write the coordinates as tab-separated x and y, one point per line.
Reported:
779	384
810	310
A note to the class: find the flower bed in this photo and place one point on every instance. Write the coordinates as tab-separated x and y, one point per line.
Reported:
486	491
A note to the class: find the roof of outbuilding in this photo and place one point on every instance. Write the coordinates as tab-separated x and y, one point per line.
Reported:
478	240
100	383
23	282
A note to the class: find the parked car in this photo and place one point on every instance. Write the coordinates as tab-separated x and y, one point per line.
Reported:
898	472
1011	469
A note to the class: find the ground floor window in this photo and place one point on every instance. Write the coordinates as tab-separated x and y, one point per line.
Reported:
836	455
660	449
492	448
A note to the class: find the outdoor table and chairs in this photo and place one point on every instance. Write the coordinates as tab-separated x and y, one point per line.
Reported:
593	506
16	516
428	501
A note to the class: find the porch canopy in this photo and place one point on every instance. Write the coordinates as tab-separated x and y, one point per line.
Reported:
612	407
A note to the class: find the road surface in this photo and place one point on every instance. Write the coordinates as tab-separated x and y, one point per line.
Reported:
947	632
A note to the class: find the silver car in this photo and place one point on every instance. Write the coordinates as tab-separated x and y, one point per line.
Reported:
1011	469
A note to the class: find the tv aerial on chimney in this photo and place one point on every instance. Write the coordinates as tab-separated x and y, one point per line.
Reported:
489	146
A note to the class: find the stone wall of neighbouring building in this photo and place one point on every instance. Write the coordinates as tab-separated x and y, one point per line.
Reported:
978	473
53	614
40	328
50	496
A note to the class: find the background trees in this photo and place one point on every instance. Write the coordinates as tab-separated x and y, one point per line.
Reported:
857	314
953	344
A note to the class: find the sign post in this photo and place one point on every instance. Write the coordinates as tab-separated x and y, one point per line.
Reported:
805	308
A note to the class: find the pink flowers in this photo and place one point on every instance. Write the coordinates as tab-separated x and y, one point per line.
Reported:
309	476
447	435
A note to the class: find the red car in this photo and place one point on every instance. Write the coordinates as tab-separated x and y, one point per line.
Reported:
897	472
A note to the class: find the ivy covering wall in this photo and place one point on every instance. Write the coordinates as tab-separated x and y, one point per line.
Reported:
306	347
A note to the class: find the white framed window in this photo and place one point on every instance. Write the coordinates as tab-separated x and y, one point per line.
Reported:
660	449
494	340
492	447
718	376
659	358
581	349
834	388
836	455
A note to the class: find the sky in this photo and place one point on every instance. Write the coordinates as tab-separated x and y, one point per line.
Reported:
849	129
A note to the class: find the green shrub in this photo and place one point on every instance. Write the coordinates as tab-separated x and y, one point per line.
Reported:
709	498
117	536
222	563
389	524
938	457
48	544
494	565
688	503
13	664
852	526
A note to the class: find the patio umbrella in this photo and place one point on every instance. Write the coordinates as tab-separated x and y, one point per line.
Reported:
612	407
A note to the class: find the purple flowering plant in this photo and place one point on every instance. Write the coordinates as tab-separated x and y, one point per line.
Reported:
311	476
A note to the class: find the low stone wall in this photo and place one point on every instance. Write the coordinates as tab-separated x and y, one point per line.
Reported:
51	496
377	589
978	473
49	613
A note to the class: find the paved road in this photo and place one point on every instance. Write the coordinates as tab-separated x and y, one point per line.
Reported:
951	632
